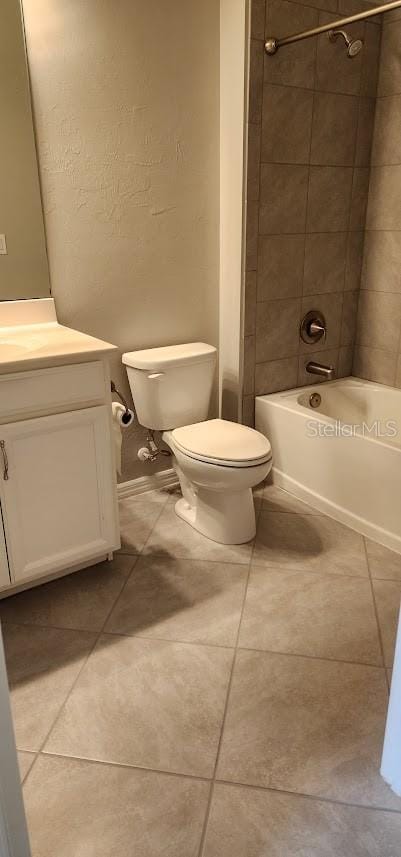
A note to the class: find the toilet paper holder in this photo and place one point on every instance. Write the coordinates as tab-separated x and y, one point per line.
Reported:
126	418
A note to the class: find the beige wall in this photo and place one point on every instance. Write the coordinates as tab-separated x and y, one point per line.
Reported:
378	352
126	100
24	270
310	132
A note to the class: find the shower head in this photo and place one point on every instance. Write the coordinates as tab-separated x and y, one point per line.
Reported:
354	46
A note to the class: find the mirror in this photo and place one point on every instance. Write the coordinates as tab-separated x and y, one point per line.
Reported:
23	260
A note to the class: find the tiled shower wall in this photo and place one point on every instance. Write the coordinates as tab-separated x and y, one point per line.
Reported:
377	351
311	118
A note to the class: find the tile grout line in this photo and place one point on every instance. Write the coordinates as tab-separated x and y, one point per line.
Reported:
85	661
379	631
230	681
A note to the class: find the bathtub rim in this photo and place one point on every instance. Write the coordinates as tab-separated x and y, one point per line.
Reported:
327	507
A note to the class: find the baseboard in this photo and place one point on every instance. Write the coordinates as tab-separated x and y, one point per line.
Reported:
339	513
162	479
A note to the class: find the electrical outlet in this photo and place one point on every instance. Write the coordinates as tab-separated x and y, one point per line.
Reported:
3	245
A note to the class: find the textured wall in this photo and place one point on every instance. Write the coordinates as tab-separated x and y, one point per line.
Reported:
378	353
310	134
126	102
24	270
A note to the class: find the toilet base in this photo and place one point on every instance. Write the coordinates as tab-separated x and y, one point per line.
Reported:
222	517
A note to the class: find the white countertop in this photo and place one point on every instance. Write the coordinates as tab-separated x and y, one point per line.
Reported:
31	346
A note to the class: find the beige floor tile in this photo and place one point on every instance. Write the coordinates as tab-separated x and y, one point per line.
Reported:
81	601
189	600
173	537
310	542
307	613
275	499
148	703
388	595
309	726
247	822
138	516
25	762
81	809
384	564
42	664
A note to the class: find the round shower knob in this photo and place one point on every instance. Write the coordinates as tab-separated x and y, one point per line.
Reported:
313	327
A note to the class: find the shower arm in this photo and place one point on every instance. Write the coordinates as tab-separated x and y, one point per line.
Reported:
272	44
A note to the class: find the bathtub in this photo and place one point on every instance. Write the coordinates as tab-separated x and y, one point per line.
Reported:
344	456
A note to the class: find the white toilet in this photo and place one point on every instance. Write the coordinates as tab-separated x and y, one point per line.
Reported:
217	462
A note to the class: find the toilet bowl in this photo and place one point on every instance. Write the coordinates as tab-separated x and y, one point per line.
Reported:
217	462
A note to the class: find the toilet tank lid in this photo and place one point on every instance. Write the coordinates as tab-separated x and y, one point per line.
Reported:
169	355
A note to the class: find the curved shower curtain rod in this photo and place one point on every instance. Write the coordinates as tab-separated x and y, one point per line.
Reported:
272	45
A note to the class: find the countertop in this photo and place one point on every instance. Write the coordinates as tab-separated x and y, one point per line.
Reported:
33	346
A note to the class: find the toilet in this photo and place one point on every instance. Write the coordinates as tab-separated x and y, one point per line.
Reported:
217	462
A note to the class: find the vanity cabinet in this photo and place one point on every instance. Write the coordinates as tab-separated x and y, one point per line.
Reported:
57	474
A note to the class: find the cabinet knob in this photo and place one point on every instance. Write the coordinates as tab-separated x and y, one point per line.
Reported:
5	459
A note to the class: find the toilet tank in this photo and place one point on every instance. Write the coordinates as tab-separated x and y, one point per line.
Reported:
171	386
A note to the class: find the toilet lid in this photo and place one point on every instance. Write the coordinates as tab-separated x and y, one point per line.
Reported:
222	442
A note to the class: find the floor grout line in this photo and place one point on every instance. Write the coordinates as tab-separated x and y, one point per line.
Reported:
379	630
85	661
223	722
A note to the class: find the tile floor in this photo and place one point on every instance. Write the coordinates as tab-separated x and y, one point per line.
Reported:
193	699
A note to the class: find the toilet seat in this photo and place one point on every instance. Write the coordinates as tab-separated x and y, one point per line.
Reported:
222	443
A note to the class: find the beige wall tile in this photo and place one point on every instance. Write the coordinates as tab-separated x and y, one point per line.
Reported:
364	137
277	329
384	209
252	220
335	120
286	124
248	411
329	199
349	317
354	260
374	365
379	320
387	136
359	198
296	65
370	59
280	266
276	375
345	358
258	19
250	303
390	66
253	162
256	81
283	198
325	257
249	365
382	262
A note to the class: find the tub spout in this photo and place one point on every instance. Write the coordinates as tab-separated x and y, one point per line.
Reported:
327	372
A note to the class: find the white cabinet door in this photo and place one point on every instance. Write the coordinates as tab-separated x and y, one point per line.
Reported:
4	571
59	498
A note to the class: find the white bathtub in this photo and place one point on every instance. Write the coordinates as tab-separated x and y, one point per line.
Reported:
343	457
